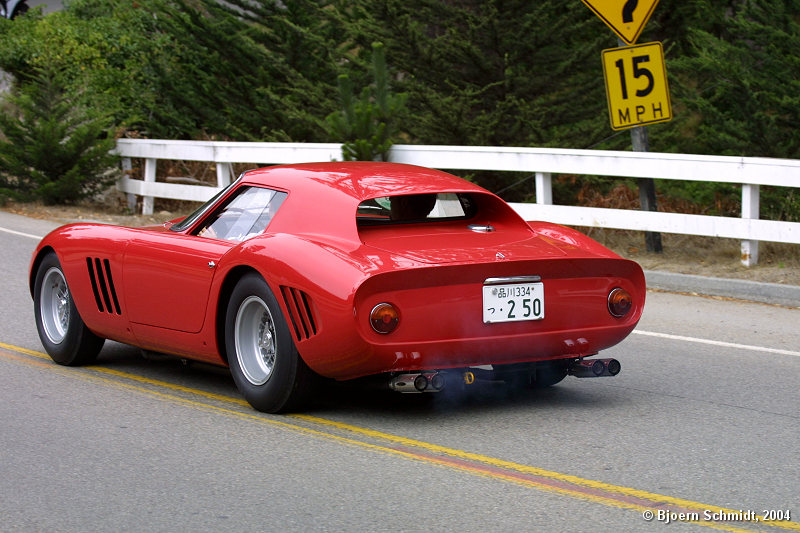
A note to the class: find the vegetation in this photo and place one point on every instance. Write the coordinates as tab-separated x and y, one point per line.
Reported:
367	125
55	149
462	72
510	73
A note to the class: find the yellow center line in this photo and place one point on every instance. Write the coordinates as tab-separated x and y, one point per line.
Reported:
657	499
468	462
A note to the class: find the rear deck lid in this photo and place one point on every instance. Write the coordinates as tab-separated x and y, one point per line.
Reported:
449	228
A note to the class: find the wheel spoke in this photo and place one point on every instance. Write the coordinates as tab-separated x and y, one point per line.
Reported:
256	343
55	304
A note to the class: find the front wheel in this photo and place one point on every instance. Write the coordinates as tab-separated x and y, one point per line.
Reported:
64	335
263	359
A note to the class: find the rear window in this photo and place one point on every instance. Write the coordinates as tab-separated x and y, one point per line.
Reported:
415	208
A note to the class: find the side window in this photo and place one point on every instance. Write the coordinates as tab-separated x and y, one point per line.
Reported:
244	216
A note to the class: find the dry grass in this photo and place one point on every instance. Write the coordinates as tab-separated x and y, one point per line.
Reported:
705	256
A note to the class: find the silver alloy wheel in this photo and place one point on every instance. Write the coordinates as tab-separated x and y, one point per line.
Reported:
54	305
256	344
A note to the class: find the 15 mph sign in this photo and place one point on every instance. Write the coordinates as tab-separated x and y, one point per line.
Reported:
636	85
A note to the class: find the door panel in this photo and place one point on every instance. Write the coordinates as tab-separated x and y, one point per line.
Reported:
167	278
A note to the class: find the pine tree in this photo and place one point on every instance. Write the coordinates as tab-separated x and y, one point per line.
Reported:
367	125
738	82
55	149
252	70
498	73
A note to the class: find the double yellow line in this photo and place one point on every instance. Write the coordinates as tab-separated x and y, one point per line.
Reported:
476	464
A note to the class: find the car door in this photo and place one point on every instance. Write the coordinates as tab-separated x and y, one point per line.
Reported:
168	274
167	278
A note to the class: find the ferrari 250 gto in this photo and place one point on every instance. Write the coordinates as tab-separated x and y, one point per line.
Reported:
342	270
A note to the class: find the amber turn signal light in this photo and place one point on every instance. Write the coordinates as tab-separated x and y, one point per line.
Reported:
384	318
619	302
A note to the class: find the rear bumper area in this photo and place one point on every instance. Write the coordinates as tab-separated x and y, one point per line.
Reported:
494	350
441	321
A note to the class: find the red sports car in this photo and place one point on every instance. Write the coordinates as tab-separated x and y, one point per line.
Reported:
342	270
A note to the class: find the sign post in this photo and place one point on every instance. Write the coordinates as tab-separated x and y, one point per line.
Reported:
636	84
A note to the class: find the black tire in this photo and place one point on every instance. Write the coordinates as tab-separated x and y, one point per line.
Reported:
21	9
262	356
548	374
64	335
533	375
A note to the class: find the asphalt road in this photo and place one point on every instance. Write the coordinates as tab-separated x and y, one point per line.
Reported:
703	419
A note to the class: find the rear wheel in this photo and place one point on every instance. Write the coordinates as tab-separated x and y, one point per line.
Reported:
64	335
548	374
263	359
534	375
21	9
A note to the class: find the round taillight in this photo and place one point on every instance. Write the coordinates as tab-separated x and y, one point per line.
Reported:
384	318
619	302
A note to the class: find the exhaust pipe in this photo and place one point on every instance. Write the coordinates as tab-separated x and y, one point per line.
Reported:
418	382
594	368
436	381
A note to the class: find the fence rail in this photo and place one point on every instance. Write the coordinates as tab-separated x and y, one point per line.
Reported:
749	172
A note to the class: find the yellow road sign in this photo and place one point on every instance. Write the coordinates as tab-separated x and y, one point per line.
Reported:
636	85
626	18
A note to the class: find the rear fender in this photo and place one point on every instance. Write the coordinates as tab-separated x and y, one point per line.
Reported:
314	285
570	240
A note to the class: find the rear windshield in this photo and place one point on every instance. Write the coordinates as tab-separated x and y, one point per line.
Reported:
415	208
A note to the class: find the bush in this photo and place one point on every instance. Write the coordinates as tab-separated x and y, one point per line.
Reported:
55	149
367	125
103	48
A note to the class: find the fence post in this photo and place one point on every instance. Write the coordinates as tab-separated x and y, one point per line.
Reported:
750	209
149	177
127	167
544	188
224	174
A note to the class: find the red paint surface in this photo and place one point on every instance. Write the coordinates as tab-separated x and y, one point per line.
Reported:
172	301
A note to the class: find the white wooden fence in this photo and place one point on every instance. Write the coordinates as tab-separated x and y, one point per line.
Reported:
750	172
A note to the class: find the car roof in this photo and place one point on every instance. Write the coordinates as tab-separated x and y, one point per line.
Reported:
358	180
324	197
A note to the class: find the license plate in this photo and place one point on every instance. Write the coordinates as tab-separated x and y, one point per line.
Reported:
512	302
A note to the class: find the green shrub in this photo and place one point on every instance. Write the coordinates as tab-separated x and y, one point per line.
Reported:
367	125
186	69
54	148
108	50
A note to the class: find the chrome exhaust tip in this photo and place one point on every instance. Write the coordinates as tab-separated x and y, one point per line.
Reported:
418	382
436	381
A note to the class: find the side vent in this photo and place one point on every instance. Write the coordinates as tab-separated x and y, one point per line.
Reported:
301	313
105	295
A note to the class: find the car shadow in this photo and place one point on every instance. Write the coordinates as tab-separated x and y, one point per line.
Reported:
483	397
370	397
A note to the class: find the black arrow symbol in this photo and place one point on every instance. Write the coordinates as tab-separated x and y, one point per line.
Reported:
627	10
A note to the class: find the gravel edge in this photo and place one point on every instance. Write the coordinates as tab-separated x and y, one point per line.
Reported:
769	293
